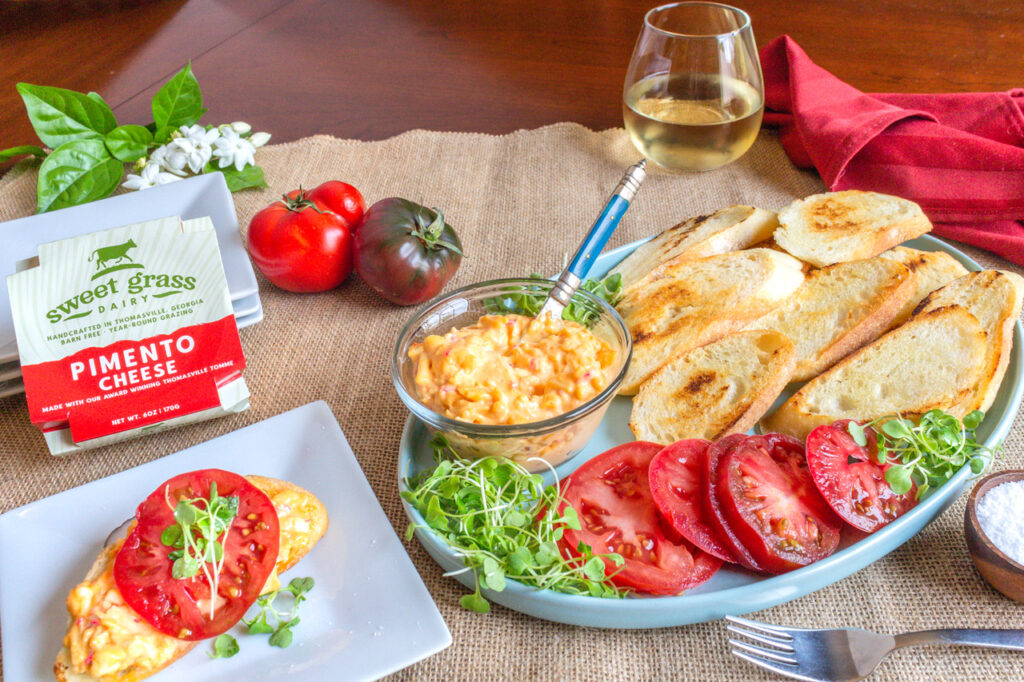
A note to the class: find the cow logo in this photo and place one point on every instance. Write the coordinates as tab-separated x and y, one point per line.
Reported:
116	254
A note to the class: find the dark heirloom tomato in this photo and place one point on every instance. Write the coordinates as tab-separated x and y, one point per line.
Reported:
851	480
180	607
675	477
406	252
612	497
768	500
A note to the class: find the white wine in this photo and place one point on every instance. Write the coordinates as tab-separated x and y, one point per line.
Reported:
692	122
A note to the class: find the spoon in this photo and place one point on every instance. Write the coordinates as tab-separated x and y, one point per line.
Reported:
573	275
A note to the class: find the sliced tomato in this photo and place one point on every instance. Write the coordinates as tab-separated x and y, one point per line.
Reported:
771	504
181	607
612	496
675	478
713	509
851	480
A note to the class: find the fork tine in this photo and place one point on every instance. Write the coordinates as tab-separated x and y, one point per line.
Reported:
783	670
777	643
763	652
762	628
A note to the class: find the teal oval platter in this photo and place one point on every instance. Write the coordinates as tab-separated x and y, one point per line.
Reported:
732	591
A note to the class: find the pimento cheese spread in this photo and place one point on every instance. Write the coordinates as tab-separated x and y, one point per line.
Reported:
511	369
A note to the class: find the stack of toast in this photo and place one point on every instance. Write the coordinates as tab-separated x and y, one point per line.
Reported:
727	309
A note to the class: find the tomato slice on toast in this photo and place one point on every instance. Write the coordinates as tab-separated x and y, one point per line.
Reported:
181	607
612	497
675	478
851	480
770	504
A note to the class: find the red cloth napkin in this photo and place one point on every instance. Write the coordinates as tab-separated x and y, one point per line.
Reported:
960	156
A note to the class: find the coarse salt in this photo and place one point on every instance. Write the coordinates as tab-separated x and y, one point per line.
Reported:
1001	516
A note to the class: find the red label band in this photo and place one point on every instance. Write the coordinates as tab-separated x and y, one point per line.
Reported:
131	384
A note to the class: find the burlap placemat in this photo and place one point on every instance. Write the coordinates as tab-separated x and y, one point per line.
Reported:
520	202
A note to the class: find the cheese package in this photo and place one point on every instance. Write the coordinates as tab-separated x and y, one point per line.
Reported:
127	331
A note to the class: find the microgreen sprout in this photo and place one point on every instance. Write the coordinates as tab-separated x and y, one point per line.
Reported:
505	524
529	300
198	537
268	620
929	453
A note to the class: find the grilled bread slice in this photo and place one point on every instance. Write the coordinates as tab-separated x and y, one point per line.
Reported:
932	269
994	297
930	362
728	229
682	306
838	309
836	227
121	647
712	391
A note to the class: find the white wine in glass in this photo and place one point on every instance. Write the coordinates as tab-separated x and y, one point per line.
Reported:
694	95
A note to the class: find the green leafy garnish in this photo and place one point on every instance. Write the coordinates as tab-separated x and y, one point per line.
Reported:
505	524
280	630
198	537
529	300
225	646
929	453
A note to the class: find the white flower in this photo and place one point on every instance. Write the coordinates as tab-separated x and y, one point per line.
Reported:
195	146
151	177
259	139
241	127
231	148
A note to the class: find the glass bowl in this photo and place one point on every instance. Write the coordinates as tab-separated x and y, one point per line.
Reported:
552	440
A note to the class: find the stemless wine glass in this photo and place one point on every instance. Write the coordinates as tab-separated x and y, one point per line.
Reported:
694	94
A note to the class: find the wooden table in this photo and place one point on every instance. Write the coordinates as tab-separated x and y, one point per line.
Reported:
370	69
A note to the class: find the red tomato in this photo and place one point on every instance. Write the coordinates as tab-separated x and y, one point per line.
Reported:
675	477
304	243
178	607
851	480
612	497
340	198
711	507
769	501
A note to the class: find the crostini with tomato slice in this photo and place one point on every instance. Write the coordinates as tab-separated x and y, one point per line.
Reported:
203	546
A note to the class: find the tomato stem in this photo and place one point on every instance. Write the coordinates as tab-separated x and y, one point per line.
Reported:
430	233
300	202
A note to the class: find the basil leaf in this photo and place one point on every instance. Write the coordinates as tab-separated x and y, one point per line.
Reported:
23	150
75	173
129	143
225	646
60	115
250	176
179	102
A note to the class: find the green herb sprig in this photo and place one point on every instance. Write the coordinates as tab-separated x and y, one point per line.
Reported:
505	524
198	537
226	646
929	453
529	300
86	150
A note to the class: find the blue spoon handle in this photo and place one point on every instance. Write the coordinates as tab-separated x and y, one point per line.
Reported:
592	245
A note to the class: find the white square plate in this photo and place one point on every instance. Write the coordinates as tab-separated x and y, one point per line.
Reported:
195	197
368	615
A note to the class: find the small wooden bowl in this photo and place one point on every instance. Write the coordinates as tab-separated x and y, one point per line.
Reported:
1001	572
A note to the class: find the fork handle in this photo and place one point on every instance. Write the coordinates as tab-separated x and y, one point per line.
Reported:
994	639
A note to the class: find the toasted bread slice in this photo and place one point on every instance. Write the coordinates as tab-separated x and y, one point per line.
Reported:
686	305
994	297
930	362
838	309
728	229
932	269
712	391
836	227
303	522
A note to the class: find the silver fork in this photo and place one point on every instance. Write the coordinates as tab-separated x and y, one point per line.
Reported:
844	654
